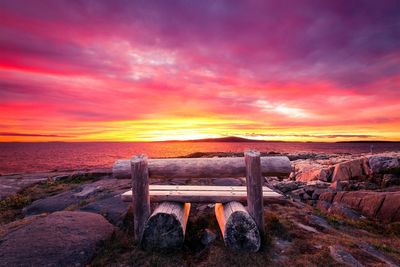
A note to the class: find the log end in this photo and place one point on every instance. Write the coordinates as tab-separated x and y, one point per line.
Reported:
165	229
241	232
252	153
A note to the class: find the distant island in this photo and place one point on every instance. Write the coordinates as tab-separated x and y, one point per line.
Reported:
368	141
230	139
236	139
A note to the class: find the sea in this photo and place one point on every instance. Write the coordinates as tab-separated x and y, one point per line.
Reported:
59	156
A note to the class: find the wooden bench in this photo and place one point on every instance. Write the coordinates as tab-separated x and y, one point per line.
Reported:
165	228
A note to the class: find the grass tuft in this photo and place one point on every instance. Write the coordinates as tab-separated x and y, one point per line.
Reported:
17	201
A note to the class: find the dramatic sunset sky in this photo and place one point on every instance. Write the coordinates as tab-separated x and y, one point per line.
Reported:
156	70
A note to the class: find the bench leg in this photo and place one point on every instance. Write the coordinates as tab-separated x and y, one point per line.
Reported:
238	228
165	228
140	194
255	203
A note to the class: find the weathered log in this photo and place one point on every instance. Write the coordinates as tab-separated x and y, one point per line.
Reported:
140	194
254	188
238	228
165	229
204	167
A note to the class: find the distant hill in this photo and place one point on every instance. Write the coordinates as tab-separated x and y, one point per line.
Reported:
232	139
366	141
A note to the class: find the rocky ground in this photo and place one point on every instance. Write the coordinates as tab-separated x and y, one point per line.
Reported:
340	210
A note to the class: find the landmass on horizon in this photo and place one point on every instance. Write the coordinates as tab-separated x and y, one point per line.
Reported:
225	139
236	139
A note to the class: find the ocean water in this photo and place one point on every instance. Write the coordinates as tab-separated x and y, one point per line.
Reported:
32	157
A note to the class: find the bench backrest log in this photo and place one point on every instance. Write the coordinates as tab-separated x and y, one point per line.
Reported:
204	167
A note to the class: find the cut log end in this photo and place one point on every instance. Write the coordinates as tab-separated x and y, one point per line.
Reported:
252	153
138	158
239	230
165	229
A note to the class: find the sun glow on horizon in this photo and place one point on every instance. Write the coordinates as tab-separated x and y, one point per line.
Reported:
67	74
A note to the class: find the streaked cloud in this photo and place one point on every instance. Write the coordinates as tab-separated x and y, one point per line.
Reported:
154	70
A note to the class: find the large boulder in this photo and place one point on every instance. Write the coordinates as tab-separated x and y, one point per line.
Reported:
349	170
323	174
327	196
390	209
287	186
112	208
383	164
351	199
384	206
66	238
101	189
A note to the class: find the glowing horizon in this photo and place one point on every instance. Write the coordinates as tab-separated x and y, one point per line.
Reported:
151	71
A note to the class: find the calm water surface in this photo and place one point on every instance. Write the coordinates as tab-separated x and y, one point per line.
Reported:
29	157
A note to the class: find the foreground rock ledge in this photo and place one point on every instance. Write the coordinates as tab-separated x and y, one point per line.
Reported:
65	238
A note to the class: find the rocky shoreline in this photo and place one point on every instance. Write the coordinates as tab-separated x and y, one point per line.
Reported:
329	199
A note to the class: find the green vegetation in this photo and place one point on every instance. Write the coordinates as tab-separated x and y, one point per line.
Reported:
17	201
372	226
395	171
387	249
274	227
11	207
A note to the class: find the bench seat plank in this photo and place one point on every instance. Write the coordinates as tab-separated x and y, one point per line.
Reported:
203	194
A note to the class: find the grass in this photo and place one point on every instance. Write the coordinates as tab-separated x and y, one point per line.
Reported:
369	225
17	201
395	171
11	207
386	248
274	227
121	250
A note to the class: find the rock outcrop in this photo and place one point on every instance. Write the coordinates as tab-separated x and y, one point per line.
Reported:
384	206
65	238
99	190
353	169
14	183
339	254
383	163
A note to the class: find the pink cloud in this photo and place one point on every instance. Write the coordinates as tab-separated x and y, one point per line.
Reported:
307	64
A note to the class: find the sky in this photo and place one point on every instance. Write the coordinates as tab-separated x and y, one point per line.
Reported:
159	70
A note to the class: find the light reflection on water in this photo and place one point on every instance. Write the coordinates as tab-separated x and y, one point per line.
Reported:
28	157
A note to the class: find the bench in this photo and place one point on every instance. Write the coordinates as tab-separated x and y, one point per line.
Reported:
241	228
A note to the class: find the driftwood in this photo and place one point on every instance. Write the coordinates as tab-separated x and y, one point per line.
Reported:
204	194
254	188
140	193
204	167
238	228
165	228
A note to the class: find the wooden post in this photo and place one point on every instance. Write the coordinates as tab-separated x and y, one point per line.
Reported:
165	229
140	194
254	188
238	228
